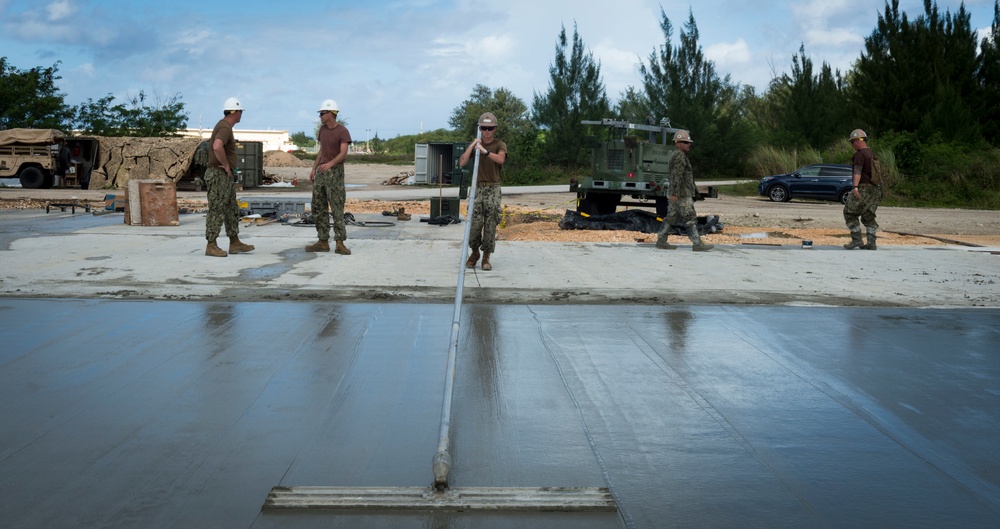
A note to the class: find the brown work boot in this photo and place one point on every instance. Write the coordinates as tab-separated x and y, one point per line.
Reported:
236	246
486	261
871	243
341	249
473	259
696	244
855	241
319	246
402	214
213	250
664	245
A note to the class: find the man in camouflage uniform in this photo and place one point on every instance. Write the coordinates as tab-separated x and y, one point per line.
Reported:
329	193
222	206
485	214
863	201
681	192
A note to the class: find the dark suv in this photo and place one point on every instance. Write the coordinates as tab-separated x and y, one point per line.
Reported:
824	181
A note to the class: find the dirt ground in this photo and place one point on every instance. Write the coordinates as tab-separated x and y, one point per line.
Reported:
534	217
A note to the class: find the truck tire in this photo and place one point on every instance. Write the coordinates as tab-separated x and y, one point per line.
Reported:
32	178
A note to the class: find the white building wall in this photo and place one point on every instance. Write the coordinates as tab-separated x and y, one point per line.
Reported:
273	140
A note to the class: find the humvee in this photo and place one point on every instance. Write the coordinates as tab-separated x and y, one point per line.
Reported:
30	155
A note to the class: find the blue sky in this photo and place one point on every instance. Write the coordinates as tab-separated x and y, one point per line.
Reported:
399	67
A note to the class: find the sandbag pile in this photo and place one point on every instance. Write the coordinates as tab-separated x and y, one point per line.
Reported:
124	158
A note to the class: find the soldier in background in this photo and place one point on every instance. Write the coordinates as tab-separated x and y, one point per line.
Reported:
222	206
681	192
62	161
863	201
329	193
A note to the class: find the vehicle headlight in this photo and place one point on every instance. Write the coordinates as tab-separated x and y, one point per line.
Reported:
766	179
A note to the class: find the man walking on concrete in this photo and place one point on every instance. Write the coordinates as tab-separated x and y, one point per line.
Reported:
863	201
222	206
681	192
329	193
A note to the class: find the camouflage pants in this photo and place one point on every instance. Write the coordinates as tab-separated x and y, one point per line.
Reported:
680	211
863	209
329	194
222	207
485	218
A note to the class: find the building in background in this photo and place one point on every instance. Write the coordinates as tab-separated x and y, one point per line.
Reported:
273	140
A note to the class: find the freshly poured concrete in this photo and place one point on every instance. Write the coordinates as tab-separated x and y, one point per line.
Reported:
185	414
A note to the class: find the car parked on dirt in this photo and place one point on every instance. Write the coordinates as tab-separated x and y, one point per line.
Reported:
823	181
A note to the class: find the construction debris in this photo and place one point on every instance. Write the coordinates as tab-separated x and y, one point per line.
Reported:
401	179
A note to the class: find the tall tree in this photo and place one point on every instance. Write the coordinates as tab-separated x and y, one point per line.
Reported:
988	75
684	87
633	106
136	116
919	76
811	108
576	92
30	99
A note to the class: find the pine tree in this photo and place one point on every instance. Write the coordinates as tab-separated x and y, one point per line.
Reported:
919	76
576	93
684	87
988	77
810	108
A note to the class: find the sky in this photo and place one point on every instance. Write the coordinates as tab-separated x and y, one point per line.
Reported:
402	67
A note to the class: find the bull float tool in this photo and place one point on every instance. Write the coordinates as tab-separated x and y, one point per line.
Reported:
440	496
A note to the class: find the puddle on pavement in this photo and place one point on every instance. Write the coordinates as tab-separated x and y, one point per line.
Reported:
768	235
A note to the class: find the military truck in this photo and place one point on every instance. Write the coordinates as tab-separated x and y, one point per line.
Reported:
30	155
630	160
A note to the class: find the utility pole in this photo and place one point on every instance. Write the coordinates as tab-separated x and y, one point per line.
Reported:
367	139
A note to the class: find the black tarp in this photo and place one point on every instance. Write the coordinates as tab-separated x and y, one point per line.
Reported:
633	220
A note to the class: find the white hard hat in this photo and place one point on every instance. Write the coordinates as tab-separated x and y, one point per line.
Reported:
329	105
232	104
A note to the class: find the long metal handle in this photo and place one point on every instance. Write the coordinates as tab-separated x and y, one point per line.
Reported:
442	459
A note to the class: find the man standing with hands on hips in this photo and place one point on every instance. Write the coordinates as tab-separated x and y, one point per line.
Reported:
329	193
863	201
222	206
485	213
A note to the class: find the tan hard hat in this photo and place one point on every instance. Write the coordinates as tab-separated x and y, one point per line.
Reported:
683	136
487	120
858	134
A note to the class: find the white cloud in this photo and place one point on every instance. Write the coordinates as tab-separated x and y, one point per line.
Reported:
728	55
60	10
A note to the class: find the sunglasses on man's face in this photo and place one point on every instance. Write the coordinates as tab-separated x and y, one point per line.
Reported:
487	129
324	112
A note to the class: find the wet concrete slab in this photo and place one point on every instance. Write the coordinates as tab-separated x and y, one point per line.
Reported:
185	414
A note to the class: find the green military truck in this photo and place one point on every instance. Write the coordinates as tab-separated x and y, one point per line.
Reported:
31	156
629	161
